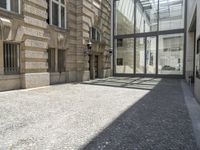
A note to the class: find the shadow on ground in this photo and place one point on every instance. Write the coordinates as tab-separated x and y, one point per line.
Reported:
158	121
132	83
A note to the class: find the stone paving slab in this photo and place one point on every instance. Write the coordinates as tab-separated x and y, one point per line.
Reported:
92	117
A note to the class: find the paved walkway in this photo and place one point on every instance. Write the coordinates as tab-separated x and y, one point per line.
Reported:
110	114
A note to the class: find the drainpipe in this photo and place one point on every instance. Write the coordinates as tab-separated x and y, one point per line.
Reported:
1	50
111	38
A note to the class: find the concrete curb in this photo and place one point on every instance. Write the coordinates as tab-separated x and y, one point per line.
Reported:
193	109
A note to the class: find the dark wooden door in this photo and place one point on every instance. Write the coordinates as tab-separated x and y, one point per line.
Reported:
96	64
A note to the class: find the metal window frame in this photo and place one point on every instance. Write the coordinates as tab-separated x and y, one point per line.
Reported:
8	6
60	5
17	52
145	35
96	32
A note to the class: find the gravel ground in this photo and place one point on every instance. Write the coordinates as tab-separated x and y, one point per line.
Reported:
111	114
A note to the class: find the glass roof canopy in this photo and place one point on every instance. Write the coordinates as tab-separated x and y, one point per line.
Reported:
167	8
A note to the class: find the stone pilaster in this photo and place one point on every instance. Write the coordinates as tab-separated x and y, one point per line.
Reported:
96	14
1	58
34	59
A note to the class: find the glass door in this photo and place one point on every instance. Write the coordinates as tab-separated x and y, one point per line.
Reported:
140	55
146	55
150	55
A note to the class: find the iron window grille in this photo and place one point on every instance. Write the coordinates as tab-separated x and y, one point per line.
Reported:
11	55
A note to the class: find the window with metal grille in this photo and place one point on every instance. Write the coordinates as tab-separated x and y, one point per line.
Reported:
51	60
11	58
61	60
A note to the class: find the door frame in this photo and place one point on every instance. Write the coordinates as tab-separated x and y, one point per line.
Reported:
92	65
145	55
96	60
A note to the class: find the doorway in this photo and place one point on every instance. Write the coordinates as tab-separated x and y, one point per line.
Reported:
96	66
146	55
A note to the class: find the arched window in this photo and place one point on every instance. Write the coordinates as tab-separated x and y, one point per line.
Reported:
57	13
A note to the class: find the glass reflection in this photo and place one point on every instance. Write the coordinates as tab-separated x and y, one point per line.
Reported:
140	53
124	17
151	55
170	55
146	16
124	55
171	14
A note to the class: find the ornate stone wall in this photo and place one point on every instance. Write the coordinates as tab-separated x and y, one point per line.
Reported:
35	35
94	13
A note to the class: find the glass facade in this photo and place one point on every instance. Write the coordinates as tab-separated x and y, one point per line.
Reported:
170	54
149	37
125	55
151	55
146	16
171	14
140	55
124	19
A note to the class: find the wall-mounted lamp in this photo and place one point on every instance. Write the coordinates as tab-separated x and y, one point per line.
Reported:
89	48
89	45
109	51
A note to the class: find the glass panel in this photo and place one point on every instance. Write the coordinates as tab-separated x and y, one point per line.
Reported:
14	5
124	55
55	17
146	16
140	53
93	33
170	55
151	55
98	36
62	17
171	14
3	4
124	21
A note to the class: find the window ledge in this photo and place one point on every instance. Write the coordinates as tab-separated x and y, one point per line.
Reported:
10	14
58	29
56	73
8	77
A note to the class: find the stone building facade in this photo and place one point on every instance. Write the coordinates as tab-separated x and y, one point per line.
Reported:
45	42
